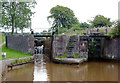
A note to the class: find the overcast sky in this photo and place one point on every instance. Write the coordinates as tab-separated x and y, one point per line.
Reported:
84	10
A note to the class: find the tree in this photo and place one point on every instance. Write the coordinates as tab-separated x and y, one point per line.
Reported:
115	23
45	31
116	31
25	16
62	17
16	15
100	21
84	25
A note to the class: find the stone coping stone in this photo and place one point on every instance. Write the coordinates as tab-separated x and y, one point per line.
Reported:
69	60
4	65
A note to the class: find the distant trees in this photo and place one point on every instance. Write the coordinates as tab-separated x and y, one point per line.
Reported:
44	30
100	21
84	25
62	17
16	15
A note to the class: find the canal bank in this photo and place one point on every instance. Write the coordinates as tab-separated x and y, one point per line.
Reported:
76	47
4	65
90	47
63	46
43	70
47	71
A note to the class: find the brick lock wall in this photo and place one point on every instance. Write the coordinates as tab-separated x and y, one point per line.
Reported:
72	44
22	43
112	48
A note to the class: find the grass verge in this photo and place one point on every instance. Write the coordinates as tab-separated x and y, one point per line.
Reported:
12	53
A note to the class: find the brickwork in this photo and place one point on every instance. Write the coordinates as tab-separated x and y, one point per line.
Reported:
67	45
103	47
23	43
47	47
112	48
70	45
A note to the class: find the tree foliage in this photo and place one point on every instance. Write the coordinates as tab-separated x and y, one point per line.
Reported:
116	30
118	27
84	25
100	21
62	17
16	15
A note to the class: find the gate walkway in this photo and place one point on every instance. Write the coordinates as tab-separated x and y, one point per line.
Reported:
43	36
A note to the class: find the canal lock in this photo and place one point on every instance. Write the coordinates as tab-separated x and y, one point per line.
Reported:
38	50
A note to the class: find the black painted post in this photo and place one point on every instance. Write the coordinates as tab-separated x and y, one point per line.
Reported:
97	30
51	56
32	32
105	31
6	40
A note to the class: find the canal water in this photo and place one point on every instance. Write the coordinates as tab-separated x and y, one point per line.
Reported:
45	71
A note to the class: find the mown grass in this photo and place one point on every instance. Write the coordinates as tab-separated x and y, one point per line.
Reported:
81	31
12	53
75	31
2	38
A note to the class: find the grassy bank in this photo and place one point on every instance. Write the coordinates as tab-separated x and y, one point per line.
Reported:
12	53
72	31
75	31
2	38
81	31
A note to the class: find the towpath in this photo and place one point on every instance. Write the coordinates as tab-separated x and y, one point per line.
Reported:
2	44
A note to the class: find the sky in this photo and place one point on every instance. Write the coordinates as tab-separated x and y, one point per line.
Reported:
84	10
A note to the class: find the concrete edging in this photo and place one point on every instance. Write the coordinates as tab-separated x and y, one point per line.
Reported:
4	65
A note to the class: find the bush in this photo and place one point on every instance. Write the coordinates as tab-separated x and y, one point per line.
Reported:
12	63
17	60
63	56
102	30
21	61
62	30
73	43
116	30
85	59
76	55
75	28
